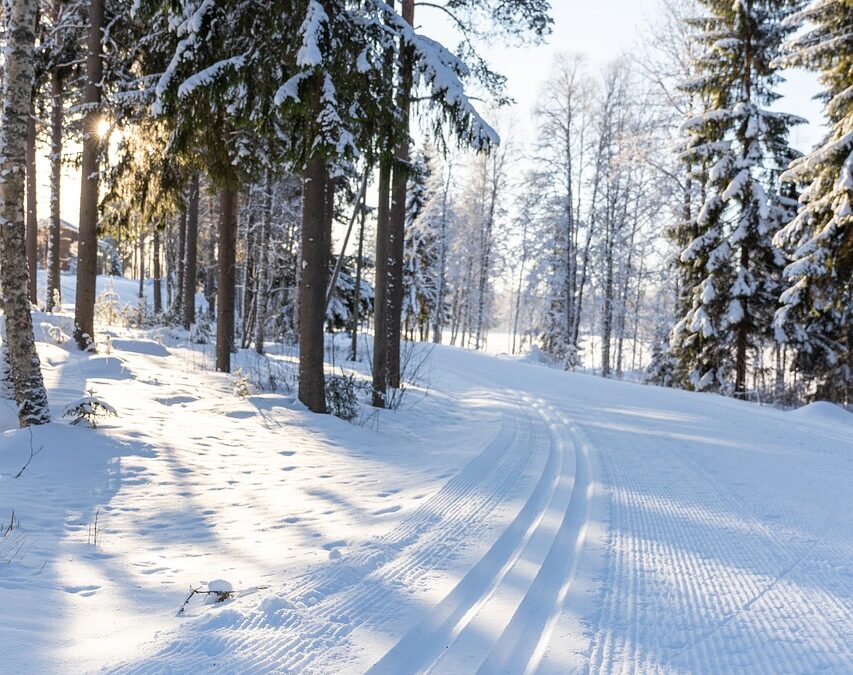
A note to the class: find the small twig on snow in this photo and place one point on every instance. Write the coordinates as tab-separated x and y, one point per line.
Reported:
33	453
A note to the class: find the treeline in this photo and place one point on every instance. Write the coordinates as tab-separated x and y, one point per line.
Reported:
665	206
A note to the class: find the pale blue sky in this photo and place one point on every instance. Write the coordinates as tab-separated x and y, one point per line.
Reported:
603	30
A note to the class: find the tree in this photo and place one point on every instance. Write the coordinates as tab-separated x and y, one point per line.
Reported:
742	144
87	244
441	73
27	382
190	259
816	316
420	247
61	52
562	122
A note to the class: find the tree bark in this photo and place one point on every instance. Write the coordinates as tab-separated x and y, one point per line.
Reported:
32	215
155	270
179	267
25	369
380	331
742	336
87	245
141	248
226	290
398	208
312	285
190	259
262	292
249	274
53	295
169	261
438	320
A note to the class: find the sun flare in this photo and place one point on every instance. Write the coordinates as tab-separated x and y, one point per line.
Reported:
102	128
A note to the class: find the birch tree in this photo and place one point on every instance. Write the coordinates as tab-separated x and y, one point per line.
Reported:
25	369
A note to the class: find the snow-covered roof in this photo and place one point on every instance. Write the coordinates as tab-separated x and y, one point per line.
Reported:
45	222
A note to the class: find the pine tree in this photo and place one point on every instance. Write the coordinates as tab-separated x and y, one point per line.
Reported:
739	146
816	316
87	245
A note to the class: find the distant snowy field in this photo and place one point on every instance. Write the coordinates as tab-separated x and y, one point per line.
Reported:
508	517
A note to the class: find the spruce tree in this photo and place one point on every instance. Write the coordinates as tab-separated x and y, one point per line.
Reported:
740	146
816	316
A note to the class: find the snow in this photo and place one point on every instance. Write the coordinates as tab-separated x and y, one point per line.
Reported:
822	411
310	54
508	517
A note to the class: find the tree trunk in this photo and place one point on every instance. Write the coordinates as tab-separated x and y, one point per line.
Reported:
225	292
517	308
180	267
155	269
397	229
262	292
249	276
53	296
190	259
312	285
380	331
438	320
169	261
87	244
32	215
742	336
141	270
356	306
25	369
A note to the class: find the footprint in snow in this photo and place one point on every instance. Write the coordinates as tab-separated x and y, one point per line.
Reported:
84	591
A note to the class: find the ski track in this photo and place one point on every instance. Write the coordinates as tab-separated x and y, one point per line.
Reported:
430	644
298	629
706	566
696	582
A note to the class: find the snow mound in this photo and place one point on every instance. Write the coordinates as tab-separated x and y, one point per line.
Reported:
105	367
147	347
824	411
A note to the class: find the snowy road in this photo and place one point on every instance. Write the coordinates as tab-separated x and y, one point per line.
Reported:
519	519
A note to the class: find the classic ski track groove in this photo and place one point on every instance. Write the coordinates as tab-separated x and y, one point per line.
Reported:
427	643
525	639
325	602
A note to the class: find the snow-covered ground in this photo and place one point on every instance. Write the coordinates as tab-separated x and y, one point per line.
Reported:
507	518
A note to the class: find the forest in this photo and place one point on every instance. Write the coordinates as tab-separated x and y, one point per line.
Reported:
661	220
304	207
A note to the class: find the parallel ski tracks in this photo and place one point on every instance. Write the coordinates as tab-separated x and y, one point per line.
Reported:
520	584
318	611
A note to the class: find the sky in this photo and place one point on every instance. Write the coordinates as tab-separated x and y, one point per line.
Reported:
602	30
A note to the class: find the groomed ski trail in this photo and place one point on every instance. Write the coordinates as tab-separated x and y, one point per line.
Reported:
518	586
622	529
